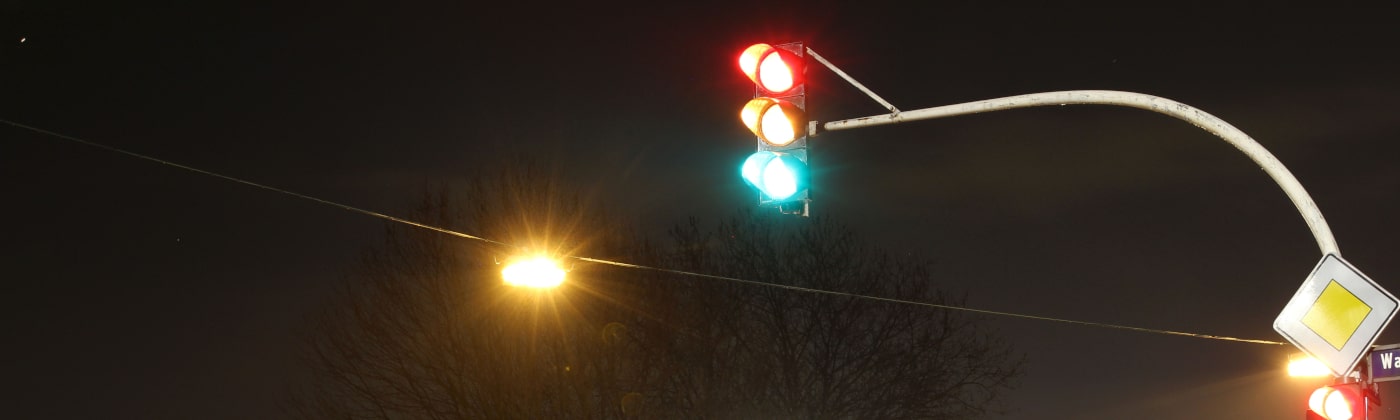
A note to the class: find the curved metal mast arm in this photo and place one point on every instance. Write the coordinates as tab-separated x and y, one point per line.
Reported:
1271	165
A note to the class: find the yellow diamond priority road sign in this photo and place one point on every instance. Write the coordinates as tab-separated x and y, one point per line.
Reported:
1337	315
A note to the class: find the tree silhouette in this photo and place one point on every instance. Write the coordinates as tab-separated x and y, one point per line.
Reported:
424	328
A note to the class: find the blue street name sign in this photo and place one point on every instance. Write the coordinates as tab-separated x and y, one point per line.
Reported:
1385	363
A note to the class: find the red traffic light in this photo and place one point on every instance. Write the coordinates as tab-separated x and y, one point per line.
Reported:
1337	402
775	70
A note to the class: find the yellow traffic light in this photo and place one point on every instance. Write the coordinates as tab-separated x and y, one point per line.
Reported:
774	121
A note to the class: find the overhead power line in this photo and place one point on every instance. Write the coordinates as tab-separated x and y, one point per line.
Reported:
623	264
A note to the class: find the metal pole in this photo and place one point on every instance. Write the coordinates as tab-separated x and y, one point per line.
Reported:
1271	165
853	82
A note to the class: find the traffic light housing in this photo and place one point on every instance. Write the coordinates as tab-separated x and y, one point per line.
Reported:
777	115
1340	402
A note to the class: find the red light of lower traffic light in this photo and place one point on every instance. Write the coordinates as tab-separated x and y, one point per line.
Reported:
1337	402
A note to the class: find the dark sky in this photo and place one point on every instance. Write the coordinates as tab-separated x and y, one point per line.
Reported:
136	290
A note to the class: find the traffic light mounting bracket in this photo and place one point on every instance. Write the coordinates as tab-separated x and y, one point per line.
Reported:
798	207
853	82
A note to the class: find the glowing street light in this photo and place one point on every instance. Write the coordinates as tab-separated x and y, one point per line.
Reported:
538	272
1301	365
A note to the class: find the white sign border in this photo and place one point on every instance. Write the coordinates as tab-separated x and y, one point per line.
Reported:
1290	322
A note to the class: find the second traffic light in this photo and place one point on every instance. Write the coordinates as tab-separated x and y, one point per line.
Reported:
777	116
1340	402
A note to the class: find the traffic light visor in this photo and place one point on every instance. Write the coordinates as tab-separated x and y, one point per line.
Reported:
774	121
775	70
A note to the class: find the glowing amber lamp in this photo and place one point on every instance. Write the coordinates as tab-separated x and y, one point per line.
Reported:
1303	366
538	272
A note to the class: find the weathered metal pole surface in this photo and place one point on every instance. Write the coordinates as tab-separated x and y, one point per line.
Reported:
1271	165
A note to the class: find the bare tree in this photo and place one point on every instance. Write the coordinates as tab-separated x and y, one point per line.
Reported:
836	354
424	328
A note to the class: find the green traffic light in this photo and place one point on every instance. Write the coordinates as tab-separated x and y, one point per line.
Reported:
775	174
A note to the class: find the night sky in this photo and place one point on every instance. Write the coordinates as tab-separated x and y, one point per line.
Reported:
137	290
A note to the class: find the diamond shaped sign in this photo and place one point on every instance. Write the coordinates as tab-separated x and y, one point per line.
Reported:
1336	315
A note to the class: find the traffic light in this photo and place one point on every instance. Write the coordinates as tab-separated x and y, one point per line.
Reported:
778	71
780	176
774	121
1339	402
777	115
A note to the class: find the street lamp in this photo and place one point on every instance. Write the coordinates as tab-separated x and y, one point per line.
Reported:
536	271
1300	365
